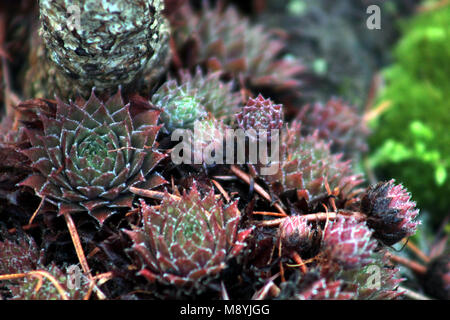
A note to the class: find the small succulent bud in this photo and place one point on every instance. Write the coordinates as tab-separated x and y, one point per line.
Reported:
261	114
389	212
103	44
348	243
296	234
182	111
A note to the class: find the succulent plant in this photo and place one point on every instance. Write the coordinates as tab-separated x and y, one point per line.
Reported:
18	255
90	154
348	243
326	290
21	255
336	122
307	164
187	240
192	98
379	280
295	234
87	52
223	40
390	212
312	286
261	114
203	146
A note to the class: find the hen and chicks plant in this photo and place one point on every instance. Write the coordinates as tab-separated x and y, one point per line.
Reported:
308	231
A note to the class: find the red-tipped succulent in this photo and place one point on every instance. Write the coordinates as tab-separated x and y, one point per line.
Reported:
307	165
90	154
223	40
192	97
390	212
22	256
336	122
348	243
326	290
261	114
296	235
189	239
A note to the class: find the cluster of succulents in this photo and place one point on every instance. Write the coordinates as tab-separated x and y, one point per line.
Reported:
307	166
101	177
221	39
193	98
30	285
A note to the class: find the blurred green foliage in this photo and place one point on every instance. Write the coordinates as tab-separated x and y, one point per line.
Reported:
411	140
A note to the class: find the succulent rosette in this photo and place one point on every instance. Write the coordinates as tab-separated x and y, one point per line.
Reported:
260	114
390	212
348	244
21	255
90	154
188	239
223	40
307	164
336	122
192	97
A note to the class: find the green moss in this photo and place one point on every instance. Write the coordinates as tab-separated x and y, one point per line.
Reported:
411	140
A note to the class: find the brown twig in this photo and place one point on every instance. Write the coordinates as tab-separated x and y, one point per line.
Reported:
419	253
39	274
314	217
412	294
37	211
77	244
246	178
377	111
299	261
152	194
93	285
222	190
25	228
414	266
264	213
